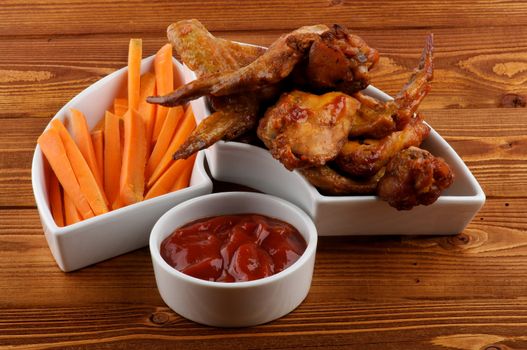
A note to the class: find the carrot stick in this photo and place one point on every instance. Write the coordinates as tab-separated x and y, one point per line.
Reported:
53	148
99	126
148	110
87	181
164	70
185	128
132	184
120	106
165	136
82	138
98	145
134	73
112	156
183	180
70	211
170	177
55	200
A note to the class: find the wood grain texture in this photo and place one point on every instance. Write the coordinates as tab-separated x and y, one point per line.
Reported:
139	16
458	292
473	69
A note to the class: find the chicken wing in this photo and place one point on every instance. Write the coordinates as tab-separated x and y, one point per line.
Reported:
414	176
416	89
206	55
303	129
352	59
365	158
376	119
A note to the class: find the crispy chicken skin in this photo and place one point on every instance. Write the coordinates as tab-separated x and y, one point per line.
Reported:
366	157
414	176
205	54
338	61
303	129
374	119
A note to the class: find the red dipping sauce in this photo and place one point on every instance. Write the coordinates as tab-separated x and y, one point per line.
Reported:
233	248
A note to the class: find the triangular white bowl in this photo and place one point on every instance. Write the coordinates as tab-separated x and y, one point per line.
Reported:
349	215
119	231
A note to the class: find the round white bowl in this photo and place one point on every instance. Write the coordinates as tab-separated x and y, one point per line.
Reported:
236	304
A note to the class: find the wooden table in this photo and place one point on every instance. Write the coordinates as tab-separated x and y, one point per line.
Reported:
467	291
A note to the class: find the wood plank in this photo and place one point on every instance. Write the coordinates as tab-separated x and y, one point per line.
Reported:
415	325
472	68
79	17
17	144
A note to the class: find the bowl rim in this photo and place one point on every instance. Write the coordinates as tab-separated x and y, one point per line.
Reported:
311	234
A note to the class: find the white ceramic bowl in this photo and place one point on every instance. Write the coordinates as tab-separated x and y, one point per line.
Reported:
237	304
349	215
119	231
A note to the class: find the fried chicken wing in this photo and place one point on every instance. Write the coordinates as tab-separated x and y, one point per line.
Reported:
352	59
206	55
331	182
416	89
414	176
365	158
376	119
339	61
273	66
303	129
195	46
234	116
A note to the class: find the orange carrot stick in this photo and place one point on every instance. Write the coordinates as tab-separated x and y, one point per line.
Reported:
185	128
97	138
82	138
132	184
70	211
134	73
165	136
112	156
148	110
99	126
164	70
170	177
55	200
53	148
183	180
120	106
87	181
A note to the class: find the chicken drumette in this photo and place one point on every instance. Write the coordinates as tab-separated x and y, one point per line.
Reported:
414	176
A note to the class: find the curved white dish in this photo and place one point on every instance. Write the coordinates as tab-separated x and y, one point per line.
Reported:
349	215
119	231
236	304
